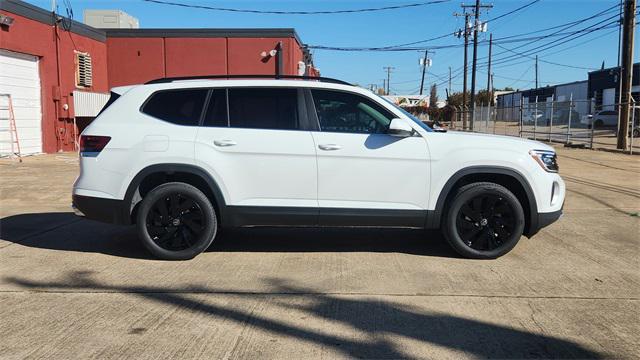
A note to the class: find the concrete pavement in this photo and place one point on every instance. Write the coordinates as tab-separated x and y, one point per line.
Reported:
76	288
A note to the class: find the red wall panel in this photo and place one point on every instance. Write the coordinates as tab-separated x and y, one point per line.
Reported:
244	56
134	60
195	56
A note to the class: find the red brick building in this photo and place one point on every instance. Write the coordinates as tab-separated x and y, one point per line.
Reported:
45	61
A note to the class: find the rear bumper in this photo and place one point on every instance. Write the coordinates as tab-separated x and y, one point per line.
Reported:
101	209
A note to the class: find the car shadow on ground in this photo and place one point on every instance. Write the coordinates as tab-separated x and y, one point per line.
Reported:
65	232
379	323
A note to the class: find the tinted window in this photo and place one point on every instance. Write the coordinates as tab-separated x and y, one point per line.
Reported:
609	113
182	107
346	112
216	114
263	108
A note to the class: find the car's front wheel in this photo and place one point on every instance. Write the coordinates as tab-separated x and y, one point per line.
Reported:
483	221
176	221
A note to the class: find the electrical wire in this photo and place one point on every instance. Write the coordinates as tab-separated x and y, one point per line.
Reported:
435	37
282	12
513	11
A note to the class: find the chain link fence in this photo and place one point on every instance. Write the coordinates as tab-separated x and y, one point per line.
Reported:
572	122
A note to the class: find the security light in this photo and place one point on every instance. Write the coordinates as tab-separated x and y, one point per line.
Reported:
6	20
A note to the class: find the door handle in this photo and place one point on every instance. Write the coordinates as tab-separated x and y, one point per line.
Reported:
329	147
224	143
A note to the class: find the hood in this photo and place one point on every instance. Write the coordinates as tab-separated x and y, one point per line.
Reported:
497	141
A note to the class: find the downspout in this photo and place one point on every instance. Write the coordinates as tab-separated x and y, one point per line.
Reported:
58	91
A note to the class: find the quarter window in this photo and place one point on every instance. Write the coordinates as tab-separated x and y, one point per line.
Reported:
181	107
263	108
351	113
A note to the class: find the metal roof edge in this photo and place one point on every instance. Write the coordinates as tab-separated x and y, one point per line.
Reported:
204	32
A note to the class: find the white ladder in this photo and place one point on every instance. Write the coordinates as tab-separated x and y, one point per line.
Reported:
8	124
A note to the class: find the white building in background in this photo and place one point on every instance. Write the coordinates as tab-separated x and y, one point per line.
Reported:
110	19
409	100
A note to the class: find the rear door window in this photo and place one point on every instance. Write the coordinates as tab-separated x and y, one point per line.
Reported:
264	108
180	107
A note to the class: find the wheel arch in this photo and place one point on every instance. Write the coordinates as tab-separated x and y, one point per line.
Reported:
512	179
154	175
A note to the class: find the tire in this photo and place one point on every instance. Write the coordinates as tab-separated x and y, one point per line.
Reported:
176	221
483	221
598	124
636	133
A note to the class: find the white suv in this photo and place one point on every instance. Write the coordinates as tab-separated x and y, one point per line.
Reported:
182	158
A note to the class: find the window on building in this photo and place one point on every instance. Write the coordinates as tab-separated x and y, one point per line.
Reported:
351	113
263	108
84	71
217	115
181	107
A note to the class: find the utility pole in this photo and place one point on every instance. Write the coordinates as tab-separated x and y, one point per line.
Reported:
476	25
489	89
388	70
425	62
629	25
464	33
536	71
449	81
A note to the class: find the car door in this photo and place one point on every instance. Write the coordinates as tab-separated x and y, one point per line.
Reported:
366	176
255	143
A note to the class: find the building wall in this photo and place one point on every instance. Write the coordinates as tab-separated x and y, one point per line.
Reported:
33	37
578	93
135	60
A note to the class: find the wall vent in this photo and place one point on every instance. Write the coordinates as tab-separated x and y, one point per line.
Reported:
84	71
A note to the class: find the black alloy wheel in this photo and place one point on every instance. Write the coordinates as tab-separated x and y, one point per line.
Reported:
483	221
176	221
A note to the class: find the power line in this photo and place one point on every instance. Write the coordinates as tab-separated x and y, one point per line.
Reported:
513	11
436	37
282	12
546	61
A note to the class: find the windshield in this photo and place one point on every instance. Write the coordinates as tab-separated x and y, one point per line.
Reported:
409	115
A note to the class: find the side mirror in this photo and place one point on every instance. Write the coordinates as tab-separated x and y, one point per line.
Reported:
400	128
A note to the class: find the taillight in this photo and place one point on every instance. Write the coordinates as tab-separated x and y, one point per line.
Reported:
91	145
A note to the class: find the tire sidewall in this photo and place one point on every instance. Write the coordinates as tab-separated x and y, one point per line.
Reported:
206	207
465	194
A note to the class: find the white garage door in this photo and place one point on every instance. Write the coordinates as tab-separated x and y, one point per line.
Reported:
19	76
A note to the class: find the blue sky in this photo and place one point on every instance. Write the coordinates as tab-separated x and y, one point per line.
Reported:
372	29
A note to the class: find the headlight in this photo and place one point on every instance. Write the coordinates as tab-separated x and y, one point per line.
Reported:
547	159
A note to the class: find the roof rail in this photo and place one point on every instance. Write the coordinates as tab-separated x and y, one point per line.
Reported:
250	76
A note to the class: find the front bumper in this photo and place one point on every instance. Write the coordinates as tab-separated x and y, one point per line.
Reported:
101	209
546	219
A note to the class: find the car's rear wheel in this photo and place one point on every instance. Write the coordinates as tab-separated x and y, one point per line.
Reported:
176	221
598	124
483	221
